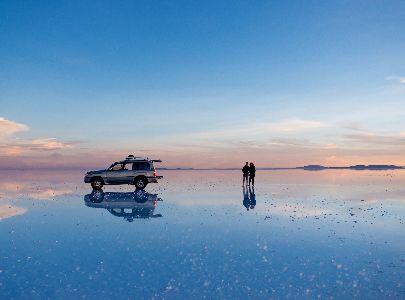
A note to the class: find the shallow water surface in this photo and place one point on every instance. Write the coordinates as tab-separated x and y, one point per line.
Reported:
200	234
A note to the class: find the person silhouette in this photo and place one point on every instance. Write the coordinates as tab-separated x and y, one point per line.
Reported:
252	173
245	171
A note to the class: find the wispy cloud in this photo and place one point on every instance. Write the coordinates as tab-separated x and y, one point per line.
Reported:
295	125
8	127
257	129
398	79
377	139
11	146
48	144
282	142
18	147
285	143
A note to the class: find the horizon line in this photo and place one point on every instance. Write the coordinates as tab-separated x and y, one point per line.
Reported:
306	167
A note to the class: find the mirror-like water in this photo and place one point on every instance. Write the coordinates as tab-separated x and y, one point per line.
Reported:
200	234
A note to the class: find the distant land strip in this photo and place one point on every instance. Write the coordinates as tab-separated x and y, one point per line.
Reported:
307	168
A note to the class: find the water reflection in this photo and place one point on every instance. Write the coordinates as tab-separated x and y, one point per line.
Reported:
331	234
8	211
130	205
249	197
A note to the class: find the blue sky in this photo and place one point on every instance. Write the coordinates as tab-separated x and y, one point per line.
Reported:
196	81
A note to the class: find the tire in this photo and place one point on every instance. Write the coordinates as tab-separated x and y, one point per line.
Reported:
97	183
140	183
140	196
97	196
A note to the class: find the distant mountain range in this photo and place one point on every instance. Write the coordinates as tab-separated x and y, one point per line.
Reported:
356	167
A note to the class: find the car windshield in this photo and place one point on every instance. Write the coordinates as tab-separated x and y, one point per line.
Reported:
116	167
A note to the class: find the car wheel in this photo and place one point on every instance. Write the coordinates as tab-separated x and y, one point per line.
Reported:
97	196
140	183
140	196
97	183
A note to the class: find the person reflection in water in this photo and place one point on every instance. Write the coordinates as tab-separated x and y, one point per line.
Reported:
246	200
249	198
245	171
252	197
252	173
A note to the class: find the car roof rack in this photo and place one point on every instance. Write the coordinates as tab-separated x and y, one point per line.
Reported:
132	157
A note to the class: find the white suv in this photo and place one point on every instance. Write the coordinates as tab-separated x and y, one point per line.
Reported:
138	171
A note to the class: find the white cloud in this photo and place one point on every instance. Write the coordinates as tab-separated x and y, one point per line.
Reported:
11	146
399	79
18	147
377	139
8	127
294	126
263	128
48	144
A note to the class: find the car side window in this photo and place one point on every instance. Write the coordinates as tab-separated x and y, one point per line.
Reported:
139	166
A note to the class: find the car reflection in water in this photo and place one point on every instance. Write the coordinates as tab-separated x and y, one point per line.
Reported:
131	205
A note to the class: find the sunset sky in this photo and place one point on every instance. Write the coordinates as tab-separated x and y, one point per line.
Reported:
202	83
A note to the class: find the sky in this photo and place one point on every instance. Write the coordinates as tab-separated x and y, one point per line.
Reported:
202	83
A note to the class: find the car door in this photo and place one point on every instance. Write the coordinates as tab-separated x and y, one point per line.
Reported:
119	174
128	174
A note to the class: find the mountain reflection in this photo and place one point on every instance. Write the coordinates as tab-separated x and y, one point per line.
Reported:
130	205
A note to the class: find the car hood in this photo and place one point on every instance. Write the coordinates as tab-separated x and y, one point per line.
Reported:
95	172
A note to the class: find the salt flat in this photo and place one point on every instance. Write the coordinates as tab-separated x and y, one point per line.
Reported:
298	234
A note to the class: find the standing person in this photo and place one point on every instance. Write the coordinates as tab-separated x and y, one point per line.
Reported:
245	171
252	173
